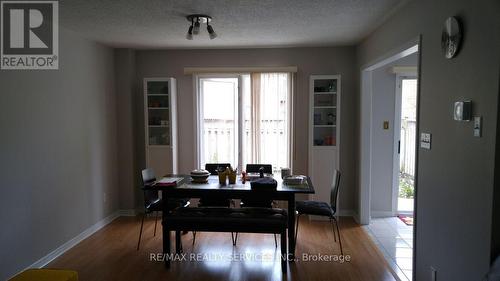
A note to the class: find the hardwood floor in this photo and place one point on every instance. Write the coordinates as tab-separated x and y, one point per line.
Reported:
110	254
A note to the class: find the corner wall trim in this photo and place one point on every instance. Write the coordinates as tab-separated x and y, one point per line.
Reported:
74	241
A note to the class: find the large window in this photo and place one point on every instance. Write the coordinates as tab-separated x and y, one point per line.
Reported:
244	118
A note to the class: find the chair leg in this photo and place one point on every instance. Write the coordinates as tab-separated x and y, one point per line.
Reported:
234	238
284	254
334	235
275	241
194	237
140	232
156	220
340	239
297	221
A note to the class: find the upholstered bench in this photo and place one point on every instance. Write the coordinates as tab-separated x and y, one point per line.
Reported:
46	275
214	219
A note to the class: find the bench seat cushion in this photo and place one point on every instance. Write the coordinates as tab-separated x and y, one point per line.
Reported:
263	220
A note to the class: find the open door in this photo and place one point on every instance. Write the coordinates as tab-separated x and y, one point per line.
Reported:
405	144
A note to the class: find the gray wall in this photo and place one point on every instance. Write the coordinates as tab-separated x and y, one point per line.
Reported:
126	130
171	63
383	106
455	178
58	152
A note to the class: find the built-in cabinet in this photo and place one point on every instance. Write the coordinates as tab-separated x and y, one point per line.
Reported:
160	122
324	132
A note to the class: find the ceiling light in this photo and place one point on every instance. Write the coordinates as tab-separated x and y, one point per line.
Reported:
211	32
196	21
196	28
189	35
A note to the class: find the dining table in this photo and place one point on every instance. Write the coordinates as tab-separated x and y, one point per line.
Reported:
212	188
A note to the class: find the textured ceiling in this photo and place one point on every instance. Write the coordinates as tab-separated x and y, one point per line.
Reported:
238	23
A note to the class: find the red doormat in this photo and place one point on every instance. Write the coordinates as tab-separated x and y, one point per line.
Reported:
406	219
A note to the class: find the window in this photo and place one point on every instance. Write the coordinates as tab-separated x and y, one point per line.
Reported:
244	118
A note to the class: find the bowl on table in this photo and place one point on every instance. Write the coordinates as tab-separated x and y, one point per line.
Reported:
199	176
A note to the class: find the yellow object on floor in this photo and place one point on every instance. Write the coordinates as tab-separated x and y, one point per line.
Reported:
46	275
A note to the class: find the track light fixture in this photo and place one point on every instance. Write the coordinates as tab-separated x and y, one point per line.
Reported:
194	29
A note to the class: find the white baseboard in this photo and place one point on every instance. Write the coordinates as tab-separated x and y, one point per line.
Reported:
74	241
381	214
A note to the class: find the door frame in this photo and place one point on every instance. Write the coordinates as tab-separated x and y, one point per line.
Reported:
365	133
199	110
397	137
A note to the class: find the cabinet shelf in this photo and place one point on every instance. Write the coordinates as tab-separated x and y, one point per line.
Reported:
324	132
160	124
325	106
325	93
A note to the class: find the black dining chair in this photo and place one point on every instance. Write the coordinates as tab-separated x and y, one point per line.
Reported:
213	168
258	203
153	203
318	208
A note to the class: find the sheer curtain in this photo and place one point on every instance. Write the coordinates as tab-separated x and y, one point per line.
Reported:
270	120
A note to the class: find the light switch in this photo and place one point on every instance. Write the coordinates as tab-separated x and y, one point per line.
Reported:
425	141
477	126
386	125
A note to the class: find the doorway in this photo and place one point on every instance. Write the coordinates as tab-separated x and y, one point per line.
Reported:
389	106
405	126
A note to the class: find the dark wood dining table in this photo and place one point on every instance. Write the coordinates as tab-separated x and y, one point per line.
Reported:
284	192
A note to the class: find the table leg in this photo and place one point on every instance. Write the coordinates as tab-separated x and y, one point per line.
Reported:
291	227
178	244
165	234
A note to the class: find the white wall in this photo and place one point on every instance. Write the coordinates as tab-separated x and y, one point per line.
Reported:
58	152
455	180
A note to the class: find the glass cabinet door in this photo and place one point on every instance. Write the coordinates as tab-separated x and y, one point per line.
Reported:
325	112
158	113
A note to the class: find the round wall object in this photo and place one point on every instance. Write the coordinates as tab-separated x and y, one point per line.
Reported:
451	37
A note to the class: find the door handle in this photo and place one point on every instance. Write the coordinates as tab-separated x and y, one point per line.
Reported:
399	146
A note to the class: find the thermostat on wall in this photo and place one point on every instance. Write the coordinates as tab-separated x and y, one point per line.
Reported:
462	111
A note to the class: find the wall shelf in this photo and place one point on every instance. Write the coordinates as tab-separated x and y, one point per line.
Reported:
160	125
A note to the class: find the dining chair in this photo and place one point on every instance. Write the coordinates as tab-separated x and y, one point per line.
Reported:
259	203
318	208
213	168
153	202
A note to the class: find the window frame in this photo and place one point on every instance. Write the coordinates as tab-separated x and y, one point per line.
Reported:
198	99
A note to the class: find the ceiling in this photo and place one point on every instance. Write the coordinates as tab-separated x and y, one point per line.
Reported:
238	23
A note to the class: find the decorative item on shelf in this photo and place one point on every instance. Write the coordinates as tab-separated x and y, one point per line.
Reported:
318	142
331	119
317	119
331	88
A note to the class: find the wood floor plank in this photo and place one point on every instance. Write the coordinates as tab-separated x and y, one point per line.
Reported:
110	254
